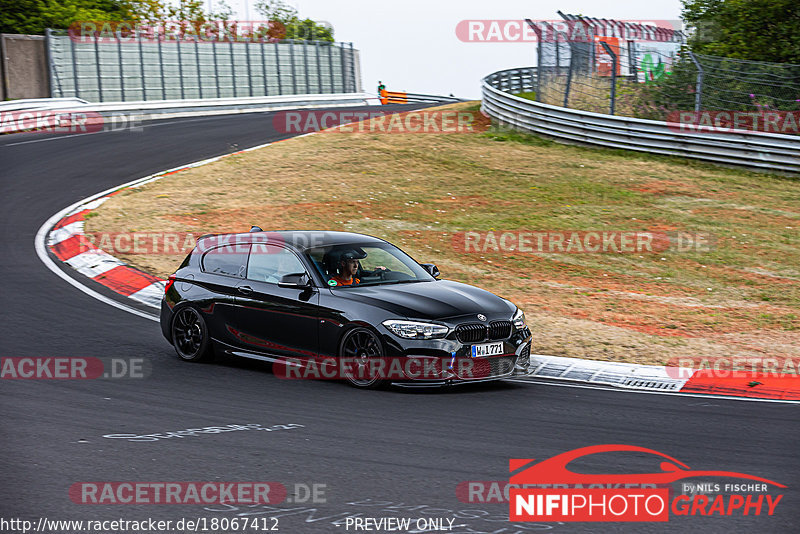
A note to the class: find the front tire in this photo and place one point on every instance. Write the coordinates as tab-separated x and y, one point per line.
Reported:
190	335
359	346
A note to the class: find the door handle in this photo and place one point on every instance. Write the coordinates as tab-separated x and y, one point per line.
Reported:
245	290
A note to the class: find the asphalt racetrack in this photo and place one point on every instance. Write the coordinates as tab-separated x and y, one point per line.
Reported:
377	454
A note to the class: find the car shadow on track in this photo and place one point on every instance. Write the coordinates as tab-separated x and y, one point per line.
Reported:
235	362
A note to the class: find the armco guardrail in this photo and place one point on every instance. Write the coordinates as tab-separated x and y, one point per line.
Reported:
756	150
31	104
170	109
396	97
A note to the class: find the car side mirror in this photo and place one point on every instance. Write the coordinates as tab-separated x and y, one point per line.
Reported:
295	280
432	269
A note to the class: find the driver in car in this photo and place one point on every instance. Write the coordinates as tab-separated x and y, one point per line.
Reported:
348	268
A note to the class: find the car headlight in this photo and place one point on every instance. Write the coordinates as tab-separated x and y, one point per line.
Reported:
416	330
519	319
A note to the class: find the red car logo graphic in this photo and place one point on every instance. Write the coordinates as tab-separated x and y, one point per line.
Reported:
554	470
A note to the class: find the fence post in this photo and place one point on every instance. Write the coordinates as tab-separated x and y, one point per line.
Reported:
294	69
74	67
48	43
538	31
249	66
161	66
264	67
353	67
330	67
698	90
305	65
278	68
97	64
614	63
141	64
569	73
319	68
119	56
216	66
233	68
343	59
197	61
632	60
180	67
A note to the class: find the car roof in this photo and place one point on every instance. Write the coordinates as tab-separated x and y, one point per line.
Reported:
300	240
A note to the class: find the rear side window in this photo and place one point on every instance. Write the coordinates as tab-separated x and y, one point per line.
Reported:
230	260
270	263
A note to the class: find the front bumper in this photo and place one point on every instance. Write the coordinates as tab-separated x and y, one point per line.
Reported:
455	361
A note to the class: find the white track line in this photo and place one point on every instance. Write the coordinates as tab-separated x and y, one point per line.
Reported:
41	251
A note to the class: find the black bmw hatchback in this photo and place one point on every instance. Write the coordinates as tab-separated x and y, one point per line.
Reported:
339	305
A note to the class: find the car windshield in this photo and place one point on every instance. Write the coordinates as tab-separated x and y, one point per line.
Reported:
356	265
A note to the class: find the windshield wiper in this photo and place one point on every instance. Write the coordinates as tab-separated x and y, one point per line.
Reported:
384	282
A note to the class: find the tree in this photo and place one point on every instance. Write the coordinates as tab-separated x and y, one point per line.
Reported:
34	16
184	10
295	27
760	30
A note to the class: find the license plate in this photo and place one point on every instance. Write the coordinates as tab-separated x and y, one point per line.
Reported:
487	349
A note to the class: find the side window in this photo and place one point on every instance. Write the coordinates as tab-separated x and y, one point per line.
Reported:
229	260
269	263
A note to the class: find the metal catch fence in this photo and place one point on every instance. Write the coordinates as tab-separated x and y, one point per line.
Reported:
139	69
656	76
755	150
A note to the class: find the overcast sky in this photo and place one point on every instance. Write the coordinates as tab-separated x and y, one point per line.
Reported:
411	45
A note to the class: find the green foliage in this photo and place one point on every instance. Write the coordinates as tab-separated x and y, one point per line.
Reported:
673	91
184	10
728	84
34	16
294	27
760	30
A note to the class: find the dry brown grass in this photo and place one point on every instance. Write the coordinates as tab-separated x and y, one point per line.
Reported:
591	93
417	190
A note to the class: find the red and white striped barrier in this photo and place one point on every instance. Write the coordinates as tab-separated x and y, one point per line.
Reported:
779	385
69	244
